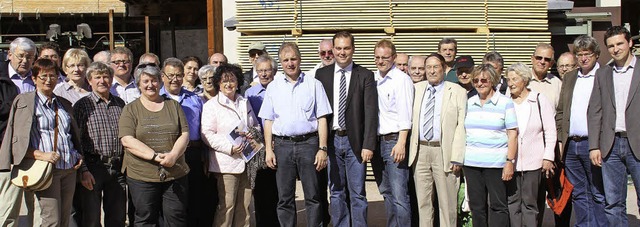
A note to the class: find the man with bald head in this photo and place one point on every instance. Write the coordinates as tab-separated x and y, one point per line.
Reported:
544	82
102	56
566	63
147	58
416	68
402	62
217	59
325	52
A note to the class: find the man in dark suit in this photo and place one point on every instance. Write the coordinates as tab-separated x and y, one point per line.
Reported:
352	93
250	76
573	140
614	133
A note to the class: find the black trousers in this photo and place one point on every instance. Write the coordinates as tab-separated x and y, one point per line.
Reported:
151	199
109	189
483	182
265	198
203	192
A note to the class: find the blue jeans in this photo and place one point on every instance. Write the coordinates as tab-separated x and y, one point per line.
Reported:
588	193
615	167
346	173
296	159
393	186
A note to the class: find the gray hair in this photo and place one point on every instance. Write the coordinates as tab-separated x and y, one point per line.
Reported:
121	50
522	70
154	56
265	58
148	70
324	41
106	53
206	70
173	62
290	46
545	46
24	44
98	68
493	56
586	42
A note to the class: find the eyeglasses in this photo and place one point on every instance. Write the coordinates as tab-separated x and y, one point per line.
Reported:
118	62
378	58
176	76
24	56
567	66
540	58
50	77
80	66
264	71
323	53
476	80
585	55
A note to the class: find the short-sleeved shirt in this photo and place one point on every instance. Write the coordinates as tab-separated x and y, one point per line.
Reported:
486	126
66	91
127	92
294	107
192	107
158	130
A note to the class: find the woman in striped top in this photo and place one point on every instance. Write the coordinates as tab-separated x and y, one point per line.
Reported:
490	153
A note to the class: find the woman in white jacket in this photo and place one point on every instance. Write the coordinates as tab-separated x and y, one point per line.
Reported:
226	112
536	143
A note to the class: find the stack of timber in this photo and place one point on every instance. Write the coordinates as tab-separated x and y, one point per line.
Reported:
34	7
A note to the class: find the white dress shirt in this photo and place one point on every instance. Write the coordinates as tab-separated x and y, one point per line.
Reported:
580	102
621	85
395	101
336	92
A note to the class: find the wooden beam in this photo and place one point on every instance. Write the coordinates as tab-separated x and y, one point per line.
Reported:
214	27
146	34
111	36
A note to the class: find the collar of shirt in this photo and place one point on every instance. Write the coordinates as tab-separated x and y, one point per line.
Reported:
300	78
438	87
493	100
131	81
349	68
390	75
546	79
96	98
165	93
617	69
14	74
254	74
590	73
223	99
44	99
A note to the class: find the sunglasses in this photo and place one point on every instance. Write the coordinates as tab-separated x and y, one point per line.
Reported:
323	53
540	58
484	81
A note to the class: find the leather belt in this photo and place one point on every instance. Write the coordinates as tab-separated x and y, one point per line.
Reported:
105	160
621	134
578	138
430	143
299	138
195	143
390	136
341	132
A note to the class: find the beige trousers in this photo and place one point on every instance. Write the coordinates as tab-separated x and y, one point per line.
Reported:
11	201
55	201
234	193
427	170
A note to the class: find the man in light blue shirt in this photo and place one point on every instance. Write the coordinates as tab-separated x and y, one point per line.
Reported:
295	132
124	85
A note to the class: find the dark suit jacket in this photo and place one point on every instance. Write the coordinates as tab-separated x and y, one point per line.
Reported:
602	111
16	138
362	107
248	78
563	110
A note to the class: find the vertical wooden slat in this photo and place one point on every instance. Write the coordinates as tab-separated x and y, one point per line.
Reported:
111	36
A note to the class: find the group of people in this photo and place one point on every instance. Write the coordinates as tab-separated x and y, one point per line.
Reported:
163	137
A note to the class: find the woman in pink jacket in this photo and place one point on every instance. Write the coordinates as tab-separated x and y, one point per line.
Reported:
223	114
536	143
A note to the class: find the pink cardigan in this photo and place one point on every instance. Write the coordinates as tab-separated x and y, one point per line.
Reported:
219	116
531	148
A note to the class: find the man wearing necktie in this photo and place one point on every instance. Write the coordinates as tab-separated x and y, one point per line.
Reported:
352	131
437	142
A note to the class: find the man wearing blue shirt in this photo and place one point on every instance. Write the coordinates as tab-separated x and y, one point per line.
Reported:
200	208
265	193
295	132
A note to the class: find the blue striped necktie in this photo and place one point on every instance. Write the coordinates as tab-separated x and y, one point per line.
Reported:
428	114
342	104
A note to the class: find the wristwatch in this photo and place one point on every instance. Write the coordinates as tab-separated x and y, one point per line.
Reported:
512	160
323	148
